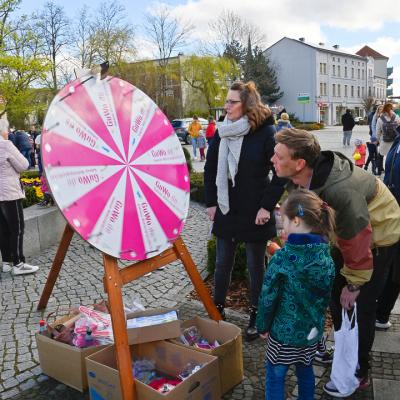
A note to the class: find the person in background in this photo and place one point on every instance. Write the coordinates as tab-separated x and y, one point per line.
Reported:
12	162
11	137
194	132
210	131
370	118
24	143
33	134
222	116
202	144
390	293
359	153
38	142
348	125
283	122
240	197
367	230
386	126
372	155
296	293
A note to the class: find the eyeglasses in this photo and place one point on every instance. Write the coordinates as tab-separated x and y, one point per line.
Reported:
232	102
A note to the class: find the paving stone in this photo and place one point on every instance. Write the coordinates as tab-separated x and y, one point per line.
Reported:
386	389
387	342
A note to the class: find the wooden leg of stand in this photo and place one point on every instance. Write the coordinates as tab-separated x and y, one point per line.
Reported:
56	267
183	254
113	283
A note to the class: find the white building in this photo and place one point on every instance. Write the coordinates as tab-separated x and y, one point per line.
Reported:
332	80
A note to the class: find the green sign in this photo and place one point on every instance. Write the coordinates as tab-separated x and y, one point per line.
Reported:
303	98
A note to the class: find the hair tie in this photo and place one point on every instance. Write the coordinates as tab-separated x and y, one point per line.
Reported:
300	211
324	205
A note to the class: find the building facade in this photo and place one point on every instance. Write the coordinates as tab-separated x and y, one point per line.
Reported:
320	83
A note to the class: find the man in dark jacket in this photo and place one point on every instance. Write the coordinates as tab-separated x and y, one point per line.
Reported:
367	229
348	125
370	118
24	143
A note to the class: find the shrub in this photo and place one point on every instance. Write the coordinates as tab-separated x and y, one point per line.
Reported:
197	187
309	126
240	267
31	197
30	174
188	159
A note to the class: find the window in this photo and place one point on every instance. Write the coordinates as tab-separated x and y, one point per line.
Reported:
345	90
338	60
358	91
369	91
321	89
324	89
363	92
362	74
320	68
338	70
333	90
352	62
352	72
334	70
345	60
359	63
325	68
345	72
333	58
358	73
352	91
338	90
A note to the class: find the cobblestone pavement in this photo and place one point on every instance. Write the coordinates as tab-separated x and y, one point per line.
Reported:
80	282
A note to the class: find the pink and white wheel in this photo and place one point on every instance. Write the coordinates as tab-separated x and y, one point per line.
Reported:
115	167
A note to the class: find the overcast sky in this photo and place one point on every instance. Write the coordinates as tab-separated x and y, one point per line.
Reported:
350	24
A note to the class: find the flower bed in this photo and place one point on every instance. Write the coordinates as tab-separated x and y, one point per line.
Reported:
33	192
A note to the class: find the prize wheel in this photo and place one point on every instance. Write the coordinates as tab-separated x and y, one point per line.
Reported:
115	167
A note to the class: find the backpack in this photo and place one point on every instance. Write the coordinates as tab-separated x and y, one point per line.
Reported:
389	129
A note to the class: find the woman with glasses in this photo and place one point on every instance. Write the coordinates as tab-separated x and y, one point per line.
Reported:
240	196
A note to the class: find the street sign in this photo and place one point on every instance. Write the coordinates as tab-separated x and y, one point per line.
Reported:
303	98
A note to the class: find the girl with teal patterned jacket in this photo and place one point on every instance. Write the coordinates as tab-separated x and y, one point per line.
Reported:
296	292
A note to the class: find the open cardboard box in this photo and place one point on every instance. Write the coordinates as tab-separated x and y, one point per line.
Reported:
229	353
63	362
153	333
104	382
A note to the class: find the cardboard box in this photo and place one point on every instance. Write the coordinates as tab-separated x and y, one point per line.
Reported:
104	383
63	362
153	333
230	353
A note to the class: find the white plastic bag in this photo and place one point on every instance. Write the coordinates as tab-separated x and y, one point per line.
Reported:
345	357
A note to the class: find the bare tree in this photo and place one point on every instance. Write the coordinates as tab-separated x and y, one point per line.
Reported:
111	36
53	26
229	28
368	103
83	38
6	8
169	36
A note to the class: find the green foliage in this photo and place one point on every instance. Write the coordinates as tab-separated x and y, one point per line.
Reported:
236	52
188	159
197	187
30	197
240	267
30	174
210	76
257	68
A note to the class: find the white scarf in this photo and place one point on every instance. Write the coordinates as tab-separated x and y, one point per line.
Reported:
231	134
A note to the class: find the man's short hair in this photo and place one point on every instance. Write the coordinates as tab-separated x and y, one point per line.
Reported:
302	144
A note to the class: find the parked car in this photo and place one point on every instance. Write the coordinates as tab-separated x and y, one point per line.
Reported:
181	128
359	120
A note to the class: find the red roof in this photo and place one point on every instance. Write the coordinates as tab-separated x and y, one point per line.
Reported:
366	51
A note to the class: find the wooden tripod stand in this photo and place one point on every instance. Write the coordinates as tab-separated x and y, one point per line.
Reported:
114	279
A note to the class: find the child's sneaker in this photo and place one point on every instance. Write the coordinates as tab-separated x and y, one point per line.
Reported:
7	266
24	269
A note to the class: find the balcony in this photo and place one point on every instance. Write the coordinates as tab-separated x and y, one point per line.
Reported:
389	71
389	92
389	82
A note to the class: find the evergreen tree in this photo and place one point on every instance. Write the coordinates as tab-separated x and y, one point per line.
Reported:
235	51
257	68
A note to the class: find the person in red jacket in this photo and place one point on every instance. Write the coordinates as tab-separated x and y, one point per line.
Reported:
210	131
359	153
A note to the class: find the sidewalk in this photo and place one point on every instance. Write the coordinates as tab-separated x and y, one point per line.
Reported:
80	281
